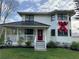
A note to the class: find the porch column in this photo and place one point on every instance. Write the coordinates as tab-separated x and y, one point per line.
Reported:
35	38
69	28
68	25
56	29
5	35
17	35
45	33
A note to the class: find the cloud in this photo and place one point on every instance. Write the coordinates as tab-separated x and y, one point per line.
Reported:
44	7
35	0
20	1
51	5
31	4
30	9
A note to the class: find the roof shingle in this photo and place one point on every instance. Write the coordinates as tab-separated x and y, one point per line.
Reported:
34	23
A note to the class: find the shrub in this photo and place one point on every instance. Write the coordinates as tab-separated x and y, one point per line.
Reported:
28	43
75	45
51	44
78	46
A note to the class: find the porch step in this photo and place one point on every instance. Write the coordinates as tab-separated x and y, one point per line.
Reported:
40	46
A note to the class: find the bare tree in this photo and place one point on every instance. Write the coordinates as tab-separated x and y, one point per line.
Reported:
6	8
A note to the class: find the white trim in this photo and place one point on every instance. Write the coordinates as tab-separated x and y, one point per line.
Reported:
24	26
5	35
35	38
17	35
68	26
45	33
56	30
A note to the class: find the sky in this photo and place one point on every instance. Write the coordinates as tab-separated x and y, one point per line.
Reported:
40	6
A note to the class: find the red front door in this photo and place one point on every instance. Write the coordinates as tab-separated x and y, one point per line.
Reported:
40	35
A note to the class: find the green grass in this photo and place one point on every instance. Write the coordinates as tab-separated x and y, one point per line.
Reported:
29	53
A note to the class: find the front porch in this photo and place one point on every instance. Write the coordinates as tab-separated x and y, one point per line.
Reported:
13	35
18	33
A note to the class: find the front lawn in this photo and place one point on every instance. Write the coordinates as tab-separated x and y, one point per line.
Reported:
29	53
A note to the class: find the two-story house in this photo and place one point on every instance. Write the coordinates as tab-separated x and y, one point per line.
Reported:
41	28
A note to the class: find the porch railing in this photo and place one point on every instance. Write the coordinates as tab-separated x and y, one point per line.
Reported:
14	39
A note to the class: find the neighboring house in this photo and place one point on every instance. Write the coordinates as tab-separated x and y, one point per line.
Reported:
41	28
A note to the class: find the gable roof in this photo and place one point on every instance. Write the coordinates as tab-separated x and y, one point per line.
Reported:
70	12
25	23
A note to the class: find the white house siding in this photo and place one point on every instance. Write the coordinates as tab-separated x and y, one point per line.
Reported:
65	39
46	19
54	25
48	36
60	39
76	39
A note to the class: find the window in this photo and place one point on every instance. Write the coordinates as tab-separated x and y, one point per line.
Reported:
62	33
70	32
62	17
69	18
53	32
29	18
28	31
26	18
53	18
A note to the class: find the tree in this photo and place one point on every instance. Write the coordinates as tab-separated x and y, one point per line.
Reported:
6	8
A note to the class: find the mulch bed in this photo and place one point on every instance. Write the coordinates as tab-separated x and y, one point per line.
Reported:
2	47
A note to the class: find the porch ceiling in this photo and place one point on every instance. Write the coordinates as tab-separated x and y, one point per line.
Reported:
25	24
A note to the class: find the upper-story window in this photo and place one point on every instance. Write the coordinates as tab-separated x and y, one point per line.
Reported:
29	18
70	32
62	17
26	18
69	18
52	17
